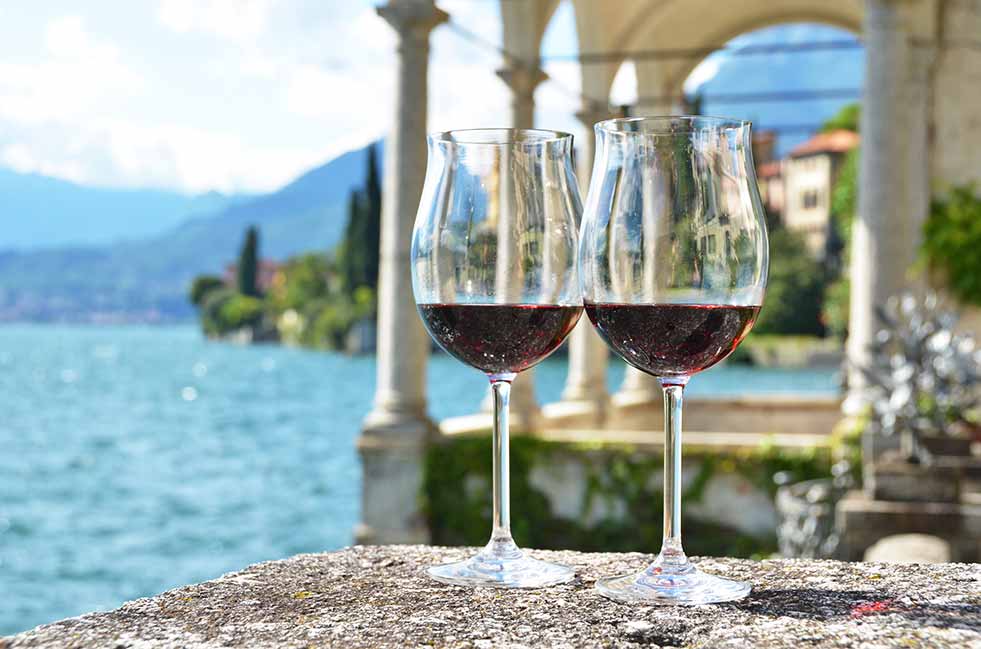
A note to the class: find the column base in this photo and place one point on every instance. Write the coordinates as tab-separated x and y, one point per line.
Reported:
393	456
637	409
575	413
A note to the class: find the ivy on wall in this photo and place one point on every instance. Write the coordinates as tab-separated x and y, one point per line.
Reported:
456	494
952	242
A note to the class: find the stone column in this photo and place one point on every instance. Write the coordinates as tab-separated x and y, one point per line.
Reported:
638	402
882	240
585	396
521	79
919	91
395	434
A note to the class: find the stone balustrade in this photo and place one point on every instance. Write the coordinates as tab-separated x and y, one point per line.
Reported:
379	597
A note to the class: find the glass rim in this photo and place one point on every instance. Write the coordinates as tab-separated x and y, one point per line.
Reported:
662	124
499	136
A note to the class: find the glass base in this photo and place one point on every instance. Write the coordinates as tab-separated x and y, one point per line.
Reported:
672	580
501	564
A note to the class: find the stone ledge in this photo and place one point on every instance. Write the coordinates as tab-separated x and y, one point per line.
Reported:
379	597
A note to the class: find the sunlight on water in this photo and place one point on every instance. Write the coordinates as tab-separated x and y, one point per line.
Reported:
139	459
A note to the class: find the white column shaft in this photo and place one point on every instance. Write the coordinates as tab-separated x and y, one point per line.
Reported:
395	434
585	383
882	236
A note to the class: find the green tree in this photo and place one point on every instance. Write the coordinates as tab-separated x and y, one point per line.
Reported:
847	118
304	279
240	311
952	242
372	229
794	290
211	311
248	262
202	286
358	254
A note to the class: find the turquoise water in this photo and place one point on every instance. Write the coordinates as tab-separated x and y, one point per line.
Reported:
134	459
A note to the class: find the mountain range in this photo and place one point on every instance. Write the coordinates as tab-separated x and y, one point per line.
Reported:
47	212
146	278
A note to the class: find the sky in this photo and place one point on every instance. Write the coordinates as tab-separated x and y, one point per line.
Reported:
243	95
230	95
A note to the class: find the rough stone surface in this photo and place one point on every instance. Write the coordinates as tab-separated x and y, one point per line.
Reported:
379	597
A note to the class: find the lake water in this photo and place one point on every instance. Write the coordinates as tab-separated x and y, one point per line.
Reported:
136	459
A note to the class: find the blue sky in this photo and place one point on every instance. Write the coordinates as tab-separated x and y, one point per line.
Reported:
240	95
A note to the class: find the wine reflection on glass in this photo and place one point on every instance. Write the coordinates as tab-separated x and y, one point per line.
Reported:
494	275
673	265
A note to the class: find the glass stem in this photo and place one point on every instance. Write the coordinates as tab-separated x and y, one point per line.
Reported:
501	388
673	390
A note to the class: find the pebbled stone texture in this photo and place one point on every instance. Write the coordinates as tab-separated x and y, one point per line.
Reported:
379	597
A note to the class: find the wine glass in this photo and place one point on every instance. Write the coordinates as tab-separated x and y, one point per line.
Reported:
494	275
673	265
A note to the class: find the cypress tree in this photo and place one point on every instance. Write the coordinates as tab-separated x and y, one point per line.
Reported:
358	255
348	252
248	261
372	216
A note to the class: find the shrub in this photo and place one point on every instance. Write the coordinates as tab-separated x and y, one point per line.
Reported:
202	286
211	318
240	311
952	242
794	290
834	311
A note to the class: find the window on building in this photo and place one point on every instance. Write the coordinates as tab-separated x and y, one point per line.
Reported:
809	199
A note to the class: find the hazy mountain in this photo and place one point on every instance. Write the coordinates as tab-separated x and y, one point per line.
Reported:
148	279
42	212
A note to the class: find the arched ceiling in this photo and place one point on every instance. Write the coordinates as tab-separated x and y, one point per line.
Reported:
524	23
698	24
636	25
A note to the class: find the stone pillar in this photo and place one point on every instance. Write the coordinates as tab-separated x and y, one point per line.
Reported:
395	434
638	402
919	91
521	79
882	237
585	396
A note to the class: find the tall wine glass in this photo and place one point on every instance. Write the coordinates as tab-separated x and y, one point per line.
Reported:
673	265
494	275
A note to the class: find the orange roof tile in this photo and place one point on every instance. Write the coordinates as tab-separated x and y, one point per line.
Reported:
769	169
838	141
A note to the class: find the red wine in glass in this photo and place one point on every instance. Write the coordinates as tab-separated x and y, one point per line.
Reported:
499	338
668	340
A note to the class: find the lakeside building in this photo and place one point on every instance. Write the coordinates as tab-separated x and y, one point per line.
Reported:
265	274
799	189
809	176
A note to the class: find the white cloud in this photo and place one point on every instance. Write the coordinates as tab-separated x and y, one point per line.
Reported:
157	155
237	20
77	75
